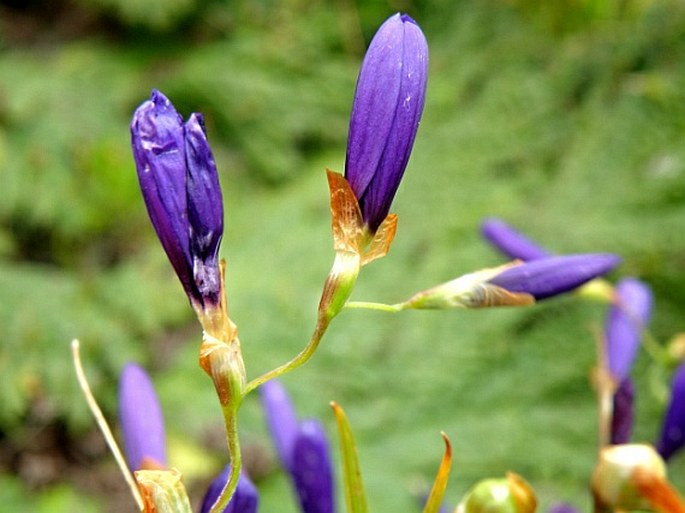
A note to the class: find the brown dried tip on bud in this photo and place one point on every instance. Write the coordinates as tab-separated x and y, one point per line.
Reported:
162	491
613	484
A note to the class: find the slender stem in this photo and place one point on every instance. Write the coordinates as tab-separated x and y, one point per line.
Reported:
381	307
231	422
304	355
102	424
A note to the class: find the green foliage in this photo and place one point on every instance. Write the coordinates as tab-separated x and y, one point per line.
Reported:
575	136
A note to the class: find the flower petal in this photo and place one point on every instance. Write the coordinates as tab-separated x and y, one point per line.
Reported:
510	242
141	419
281	420
673	430
312	468
244	500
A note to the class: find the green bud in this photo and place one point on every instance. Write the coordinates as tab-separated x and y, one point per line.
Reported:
500	495
613	480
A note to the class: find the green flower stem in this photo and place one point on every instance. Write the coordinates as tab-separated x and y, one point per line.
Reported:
304	355
230	412
381	307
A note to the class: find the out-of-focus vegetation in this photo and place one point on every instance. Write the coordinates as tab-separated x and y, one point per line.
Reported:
564	118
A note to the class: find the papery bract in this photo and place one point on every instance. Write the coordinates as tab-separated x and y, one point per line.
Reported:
386	111
625	323
141	419
510	242
672	437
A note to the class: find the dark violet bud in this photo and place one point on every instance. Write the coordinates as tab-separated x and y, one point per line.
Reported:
673	430
205	210
312	469
244	500
180	186
622	418
142	423
387	108
281	420
562	508
157	137
625	323
510	242
551	276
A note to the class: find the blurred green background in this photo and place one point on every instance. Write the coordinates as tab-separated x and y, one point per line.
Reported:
565	118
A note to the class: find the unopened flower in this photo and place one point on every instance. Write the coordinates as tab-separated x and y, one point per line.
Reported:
180	186
244	500
504	495
625	323
672	437
303	450
386	111
552	276
515	284
509	241
142	423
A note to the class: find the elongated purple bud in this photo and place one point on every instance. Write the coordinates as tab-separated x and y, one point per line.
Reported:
141	420
244	500
387	108
281	420
625	323
157	138
180	186
554	275
672	436
312	469
622	418
511	242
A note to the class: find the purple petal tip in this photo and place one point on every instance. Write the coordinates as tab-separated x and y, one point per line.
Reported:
510	242
141	419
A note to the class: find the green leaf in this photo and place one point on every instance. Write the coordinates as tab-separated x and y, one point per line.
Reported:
354	487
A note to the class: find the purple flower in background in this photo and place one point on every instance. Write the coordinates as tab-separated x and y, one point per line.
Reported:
551	276
244	500
673	430
387	108
302	448
622	418
141	420
562	507
510	242
626	320
180	186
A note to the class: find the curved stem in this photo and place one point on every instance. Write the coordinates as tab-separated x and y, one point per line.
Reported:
304	355
231	422
369	305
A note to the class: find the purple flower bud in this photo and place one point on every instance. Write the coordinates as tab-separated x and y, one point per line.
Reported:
244	500
622	418
281	420
551	276
673	430
312	469
510	242
142	423
387	108
626	320
180	186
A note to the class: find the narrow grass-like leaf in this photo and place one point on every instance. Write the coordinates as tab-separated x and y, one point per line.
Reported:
352	478
438	491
